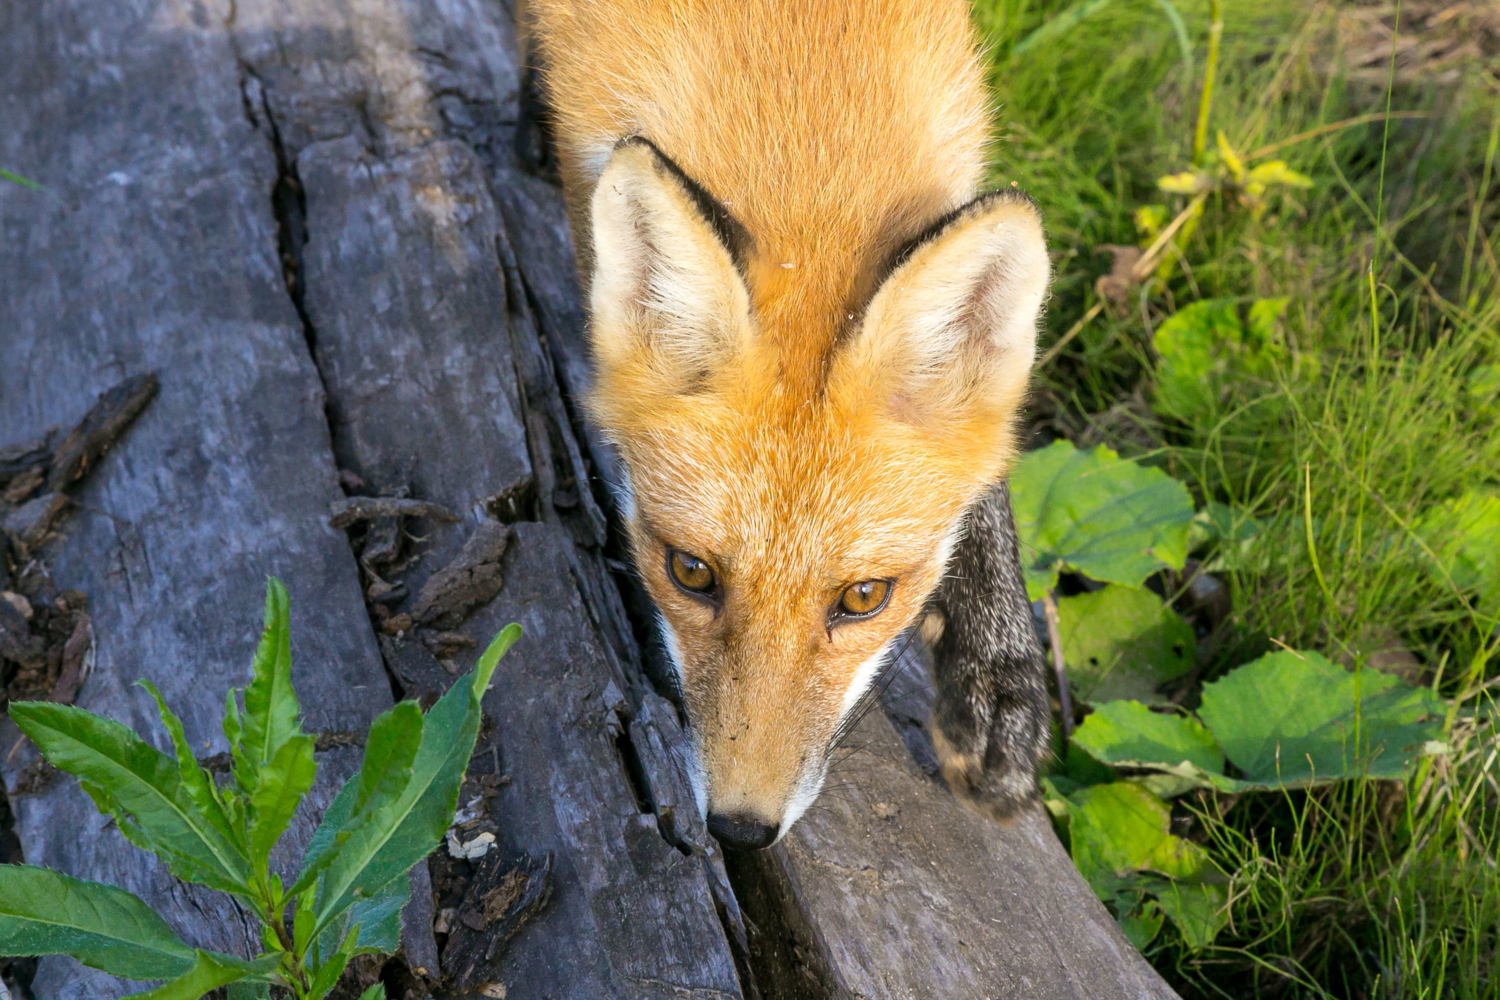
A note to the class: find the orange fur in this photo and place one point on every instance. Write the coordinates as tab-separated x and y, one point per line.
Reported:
782	417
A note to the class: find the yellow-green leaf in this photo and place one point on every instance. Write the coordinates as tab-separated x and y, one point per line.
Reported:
1276	172
1186	182
1123	642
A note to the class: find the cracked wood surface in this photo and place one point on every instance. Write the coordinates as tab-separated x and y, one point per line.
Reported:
154	248
439	382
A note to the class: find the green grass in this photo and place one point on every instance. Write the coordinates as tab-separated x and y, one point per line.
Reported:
1367	422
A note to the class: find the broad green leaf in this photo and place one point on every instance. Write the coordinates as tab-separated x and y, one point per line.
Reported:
304	917
1141	926
244	990
1206	354
121	771
1093	512
195	780
1263	315
379	918
43	912
1464	536
388	836
271	708
1128	734
1290	718
389	752
326	839
1055	792
1082	768
231	723
209	972
1122	830
1123	642
1200	911
278	790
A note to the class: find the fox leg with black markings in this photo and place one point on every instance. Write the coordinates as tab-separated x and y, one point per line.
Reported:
990	721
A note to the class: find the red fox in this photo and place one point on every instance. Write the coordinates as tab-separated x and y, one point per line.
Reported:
810	340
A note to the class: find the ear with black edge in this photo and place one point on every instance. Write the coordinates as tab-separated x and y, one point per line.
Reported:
666	289
950	335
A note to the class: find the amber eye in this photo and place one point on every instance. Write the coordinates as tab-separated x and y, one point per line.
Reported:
864	598
691	573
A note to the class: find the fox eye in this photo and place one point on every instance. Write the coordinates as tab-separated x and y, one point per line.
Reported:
863	599
691	573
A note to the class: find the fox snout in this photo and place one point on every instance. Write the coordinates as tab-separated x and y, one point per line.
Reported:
765	691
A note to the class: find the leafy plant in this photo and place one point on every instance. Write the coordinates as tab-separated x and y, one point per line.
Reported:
1336	462
1207	355
1094	513
1286	720
1123	846
1123	642
1462	536
347	898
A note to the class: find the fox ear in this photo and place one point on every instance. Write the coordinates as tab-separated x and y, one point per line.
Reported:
667	292
950	336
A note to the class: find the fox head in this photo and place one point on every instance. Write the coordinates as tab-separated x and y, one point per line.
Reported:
790	530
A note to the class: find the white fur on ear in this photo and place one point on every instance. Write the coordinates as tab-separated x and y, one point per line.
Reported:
664	279
955	322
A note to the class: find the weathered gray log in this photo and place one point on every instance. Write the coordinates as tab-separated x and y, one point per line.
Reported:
438	384
154	248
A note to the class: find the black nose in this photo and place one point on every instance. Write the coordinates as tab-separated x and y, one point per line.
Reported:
739	833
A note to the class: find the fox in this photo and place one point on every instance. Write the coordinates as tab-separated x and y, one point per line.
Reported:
812	332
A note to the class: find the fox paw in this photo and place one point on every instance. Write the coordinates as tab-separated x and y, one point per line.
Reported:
997	788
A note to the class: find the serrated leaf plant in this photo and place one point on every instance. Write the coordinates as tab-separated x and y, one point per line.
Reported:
1095	513
347	898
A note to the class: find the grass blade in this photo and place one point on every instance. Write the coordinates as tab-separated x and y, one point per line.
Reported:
18	179
1060	24
1179	28
43	912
